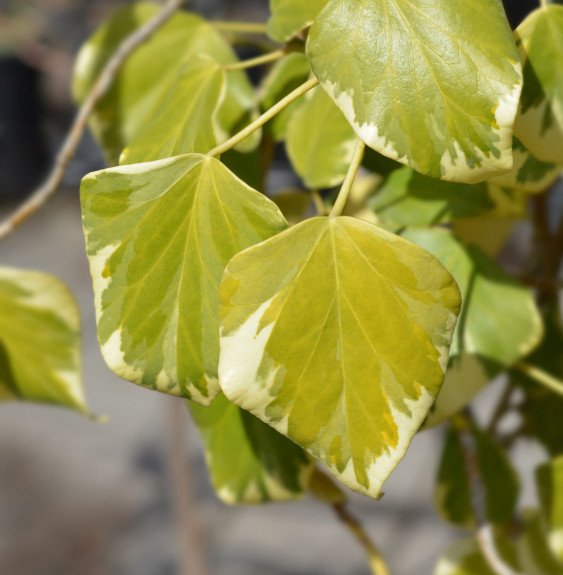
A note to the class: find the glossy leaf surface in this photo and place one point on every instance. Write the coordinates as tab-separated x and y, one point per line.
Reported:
40	357
158	237
249	462
186	122
320	142
315	326
401	71
540	122
145	82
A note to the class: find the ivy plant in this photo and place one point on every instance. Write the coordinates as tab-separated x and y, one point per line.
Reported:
314	331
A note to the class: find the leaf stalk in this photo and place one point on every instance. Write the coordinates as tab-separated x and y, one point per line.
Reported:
342	198
255	62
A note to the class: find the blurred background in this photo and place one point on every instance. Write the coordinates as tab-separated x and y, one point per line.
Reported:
78	497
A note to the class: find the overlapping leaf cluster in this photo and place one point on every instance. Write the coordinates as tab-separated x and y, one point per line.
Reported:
300	337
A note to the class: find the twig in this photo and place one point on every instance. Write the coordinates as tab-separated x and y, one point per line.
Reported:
254	62
502	407
190	539
541	376
264	118
342	198
327	491
484	533
100	88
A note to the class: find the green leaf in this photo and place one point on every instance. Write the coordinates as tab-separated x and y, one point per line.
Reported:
407	198
249	462
540	122
528	173
401	71
39	340
146	80
453	488
315	327
549	481
499	320
536	558
186	122
320	142
158	237
285	76
289	17
294	205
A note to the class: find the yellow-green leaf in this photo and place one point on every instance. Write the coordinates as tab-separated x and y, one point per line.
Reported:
40	358
316	324
540	121
289	17
249	462
320	142
158	237
186	122
402	70
549	480
146	80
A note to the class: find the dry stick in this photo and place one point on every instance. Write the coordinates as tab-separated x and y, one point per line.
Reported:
102	85
484	533
193	560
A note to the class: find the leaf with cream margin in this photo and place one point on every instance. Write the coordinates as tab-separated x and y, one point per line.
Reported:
285	76
452	494
528	173
145	81
186	122
499	319
401	71
320	142
40	357
158	237
549	481
316	324
289	17
249	462
539	124
407	198
527	554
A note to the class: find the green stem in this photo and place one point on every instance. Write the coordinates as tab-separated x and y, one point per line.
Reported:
264	118
318	203
542	377
342	198
240	27
254	62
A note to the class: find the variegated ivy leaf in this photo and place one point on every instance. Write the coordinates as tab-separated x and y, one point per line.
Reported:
286	75
316	324
540	121
289	17
249	462
320	142
549	480
145	81
186	122
158	236
499	320
407	198
401	71
527	554
453	495
39	340
528	173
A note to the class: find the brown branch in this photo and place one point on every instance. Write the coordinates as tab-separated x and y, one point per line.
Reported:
100	88
192	550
